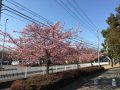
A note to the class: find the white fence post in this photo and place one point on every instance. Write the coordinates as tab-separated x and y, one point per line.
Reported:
56	68
65	67
43	71
25	72
72	66
79	65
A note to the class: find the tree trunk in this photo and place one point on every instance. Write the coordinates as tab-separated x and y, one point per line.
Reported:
91	63
112	63
119	62
77	64
109	61
48	66
47	61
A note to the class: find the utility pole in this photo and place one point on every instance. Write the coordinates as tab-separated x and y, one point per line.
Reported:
2	57
98	47
0	21
0	8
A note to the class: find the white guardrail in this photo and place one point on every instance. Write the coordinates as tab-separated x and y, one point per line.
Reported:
17	72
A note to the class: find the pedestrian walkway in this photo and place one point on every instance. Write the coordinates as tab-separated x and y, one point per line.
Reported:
109	80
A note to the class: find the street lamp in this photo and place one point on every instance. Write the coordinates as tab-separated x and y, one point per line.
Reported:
98	48
3	44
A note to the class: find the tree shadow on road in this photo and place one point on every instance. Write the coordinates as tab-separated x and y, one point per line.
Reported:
82	81
5	85
104	81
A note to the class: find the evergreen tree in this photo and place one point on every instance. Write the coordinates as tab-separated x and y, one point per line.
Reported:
112	36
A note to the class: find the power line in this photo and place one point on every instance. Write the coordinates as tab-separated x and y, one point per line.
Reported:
19	6
14	17
69	11
82	16
89	22
27	17
75	18
22	15
72	12
26	9
82	11
85	43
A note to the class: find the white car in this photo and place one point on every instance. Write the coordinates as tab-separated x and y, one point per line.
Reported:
15	63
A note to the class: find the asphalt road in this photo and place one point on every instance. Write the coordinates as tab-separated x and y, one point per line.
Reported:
104	82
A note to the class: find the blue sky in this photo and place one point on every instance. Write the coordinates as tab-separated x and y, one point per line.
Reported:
96	10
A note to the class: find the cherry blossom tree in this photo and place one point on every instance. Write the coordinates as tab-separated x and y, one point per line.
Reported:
85	53
51	43
38	41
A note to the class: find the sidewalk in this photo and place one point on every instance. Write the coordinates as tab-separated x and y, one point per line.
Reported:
109	67
104	81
